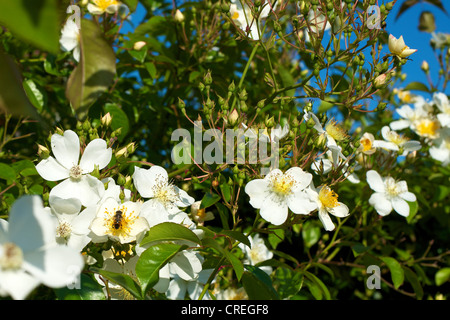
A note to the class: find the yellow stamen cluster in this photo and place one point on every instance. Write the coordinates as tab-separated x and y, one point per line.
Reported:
164	191
396	138
282	184
427	127
366	144
103	4
335	131
392	189
328	197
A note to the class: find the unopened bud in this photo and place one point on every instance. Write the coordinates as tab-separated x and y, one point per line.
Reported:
179	16
270	122
131	147
96	172
139	45
233	117
425	67
122	153
106	120
43	152
380	81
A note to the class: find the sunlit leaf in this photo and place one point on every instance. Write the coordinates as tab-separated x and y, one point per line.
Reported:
397	273
13	98
95	72
152	260
37	22
169	231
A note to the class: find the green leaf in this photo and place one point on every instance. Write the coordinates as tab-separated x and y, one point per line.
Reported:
235	262
169	231
289	282
119	119
34	94
405	6
209	199
414	281
37	22
239	236
123	280
258	284
310	233
24	168
88	289
152	260
7	173
318	284
397	273
438	4
442	276
223	214
226	191
413	209
95	72
13	98
131	4
426	22
151	68
275	237
415	85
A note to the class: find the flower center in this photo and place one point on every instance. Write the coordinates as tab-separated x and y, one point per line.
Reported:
282	185
235	15
405	96
103	4
256	254
427	127
335	131
76	172
328	197
63	230
392	189
396	138
164	191
366	143
11	256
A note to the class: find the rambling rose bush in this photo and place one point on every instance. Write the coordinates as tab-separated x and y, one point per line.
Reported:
221	150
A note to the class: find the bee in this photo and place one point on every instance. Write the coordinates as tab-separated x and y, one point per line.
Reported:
117	219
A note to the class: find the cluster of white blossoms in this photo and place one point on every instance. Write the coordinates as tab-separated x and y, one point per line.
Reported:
39	244
430	120
279	192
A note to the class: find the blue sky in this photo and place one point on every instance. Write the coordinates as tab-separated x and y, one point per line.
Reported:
405	25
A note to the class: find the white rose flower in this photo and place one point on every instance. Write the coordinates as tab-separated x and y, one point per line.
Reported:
70	39
278	192
29	254
65	166
389	194
154	183
327	203
72	225
396	142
